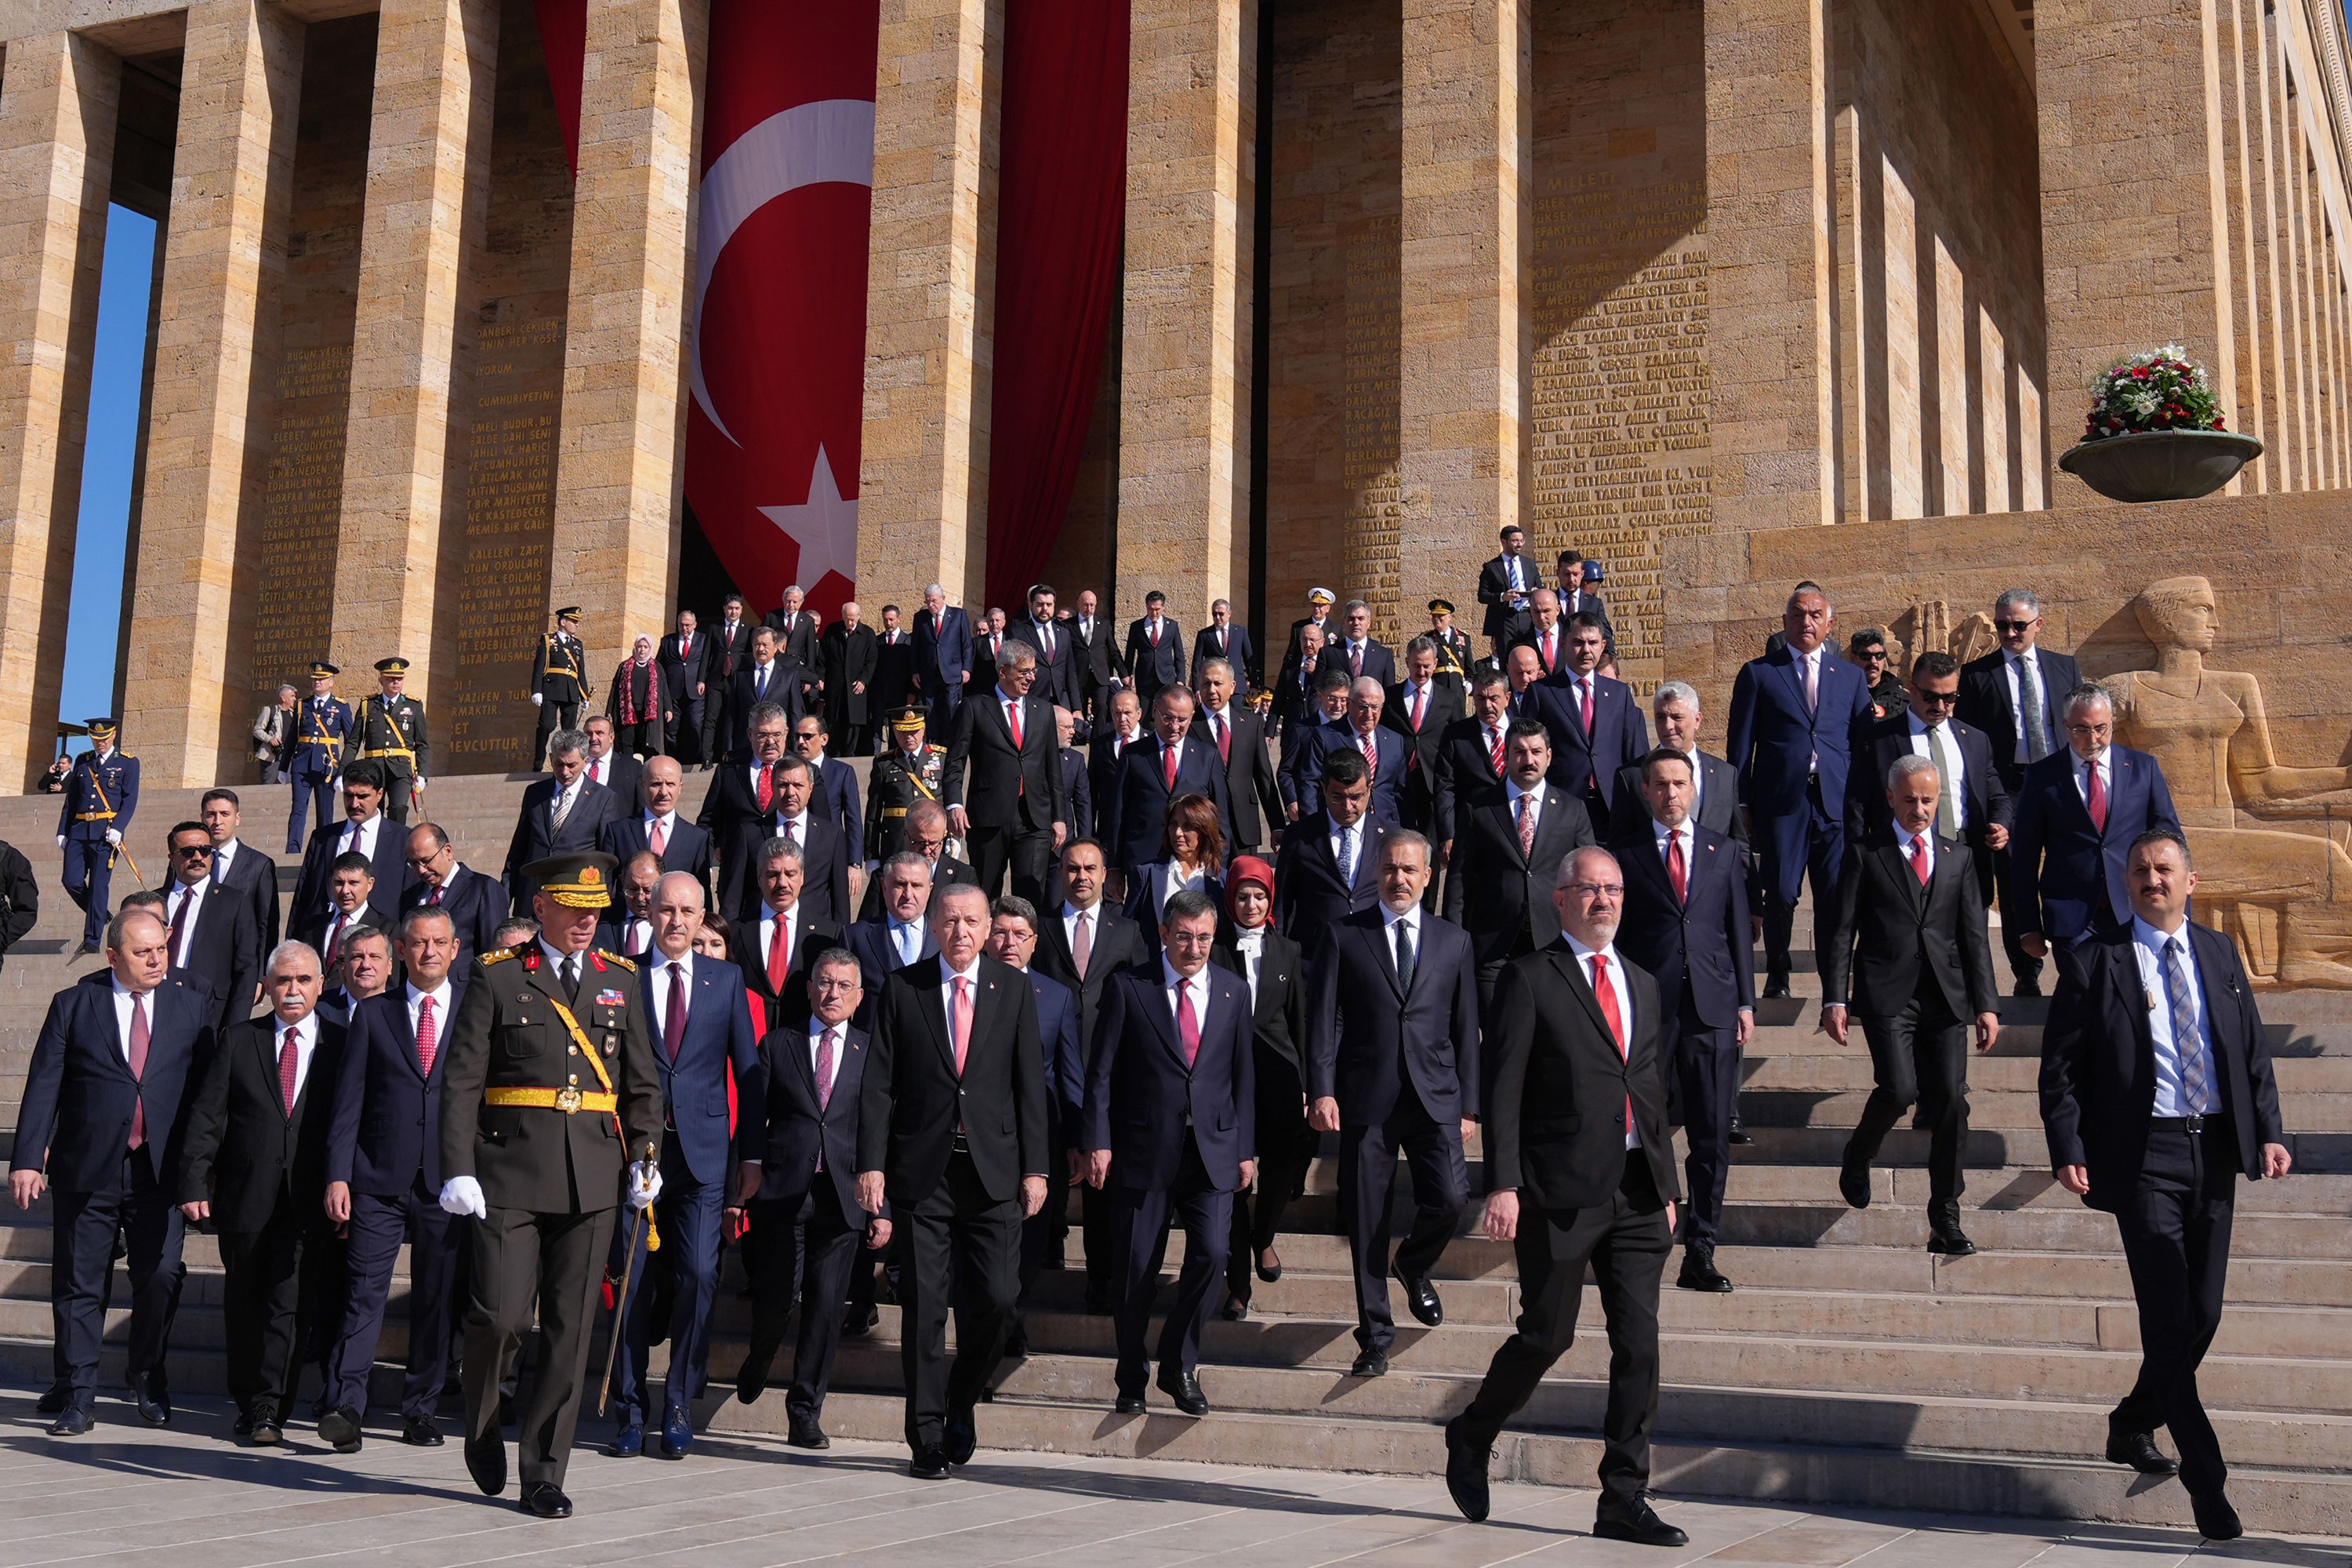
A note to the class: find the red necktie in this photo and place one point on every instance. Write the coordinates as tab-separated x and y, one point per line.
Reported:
1676	871
139	1068
1606	994
1527	829
1587	684
780	954
1495	751
334	940
1919	867
1012	723
767	789
2095	794
1224	737
179	915
824	1078
1371	757
657	837
1355	660
434	897
1420	706
1548	651
428	1035
1168	761
685	649
1188	1023
674	1015
1155	643
959	1020
289	1057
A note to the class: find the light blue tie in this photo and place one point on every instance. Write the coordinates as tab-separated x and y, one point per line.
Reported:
1348	857
2188	1033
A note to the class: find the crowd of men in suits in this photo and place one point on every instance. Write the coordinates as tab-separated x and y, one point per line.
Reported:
1392	902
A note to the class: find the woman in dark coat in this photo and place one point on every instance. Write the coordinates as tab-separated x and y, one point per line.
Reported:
1271	965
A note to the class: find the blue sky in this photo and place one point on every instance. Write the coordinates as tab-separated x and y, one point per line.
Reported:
94	624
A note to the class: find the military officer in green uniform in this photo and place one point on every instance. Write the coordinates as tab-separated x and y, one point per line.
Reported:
389	728
909	772
558	679
550	1091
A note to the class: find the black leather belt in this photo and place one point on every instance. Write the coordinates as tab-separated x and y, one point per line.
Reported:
963	1146
2185	1124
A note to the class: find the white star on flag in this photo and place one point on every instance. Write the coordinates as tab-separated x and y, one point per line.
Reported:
825	526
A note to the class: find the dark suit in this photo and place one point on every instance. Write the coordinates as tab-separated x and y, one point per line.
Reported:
1310	896
1013	793
698	1168
1986	706
1152	665
1717	810
81	1105
1793	762
252	873
947	871
796	634
2066	874
1500	896
807	1212
1417	802
1119	943
1285	1144
1377	662
224	947
1135	814
1252	793
1066	1088
1098	660
732	817
1495	592
778	1006
1104	754
894	672
878	957
391	862
476	904
1402	1061
685	848
835	794
1294	704
791	687
1918	968
1078	790
960	1206
1465	770
682	672
1178	1128
730	651
1057	667
1587	762
942	659
1555	1132
987	648
1984	800
536	837
1698	948
2171	1188
622	774
262	1166
385	1141
325	937
1237	650
825	862
1389	776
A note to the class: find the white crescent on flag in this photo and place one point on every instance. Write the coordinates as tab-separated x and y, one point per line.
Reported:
824	143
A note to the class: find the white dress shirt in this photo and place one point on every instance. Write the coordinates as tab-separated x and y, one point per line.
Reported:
192	895
549	955
816	1030
668	821
358	838
564	799
122	995
661	968
1342	838
793	922
441	995
637	935
600	769
1171	986
1661	836
2106	765
794	828
223	856
2147	949
306	1043
1071	915
1624	992
1905	838
1411	920
1943	748
948	978
1699	783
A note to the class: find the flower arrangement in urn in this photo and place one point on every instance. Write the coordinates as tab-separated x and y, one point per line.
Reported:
2159	391
2156	432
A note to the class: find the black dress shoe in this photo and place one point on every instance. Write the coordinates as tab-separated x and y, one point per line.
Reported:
1016	1344
486	1461
545	1499
1129	1404
2026	988
1699	1273
154	1403
2139	1450
1638	1522
1466	1474
266	1433
419	1432
1098	1304
858	1320
1776	987
85	950
341	1430
1371	1363
1269	1271
71	1422
1737	1134
1421	1296
1853	1184
928	1465
752	1377
54	1402
960	1437
1183	1390
807	1433
1951	1241
241	1428
2216	1520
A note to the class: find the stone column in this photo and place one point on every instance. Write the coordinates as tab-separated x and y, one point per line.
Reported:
435	66
618	471
215	368
57	104
1463	347
922	482
1183	481
1769	279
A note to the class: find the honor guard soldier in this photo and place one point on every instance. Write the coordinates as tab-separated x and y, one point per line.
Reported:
550	1089
1453	654
558	679
314	752
390	728
101	794
909	772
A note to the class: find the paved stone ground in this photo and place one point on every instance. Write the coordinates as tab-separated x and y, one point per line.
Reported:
188	1499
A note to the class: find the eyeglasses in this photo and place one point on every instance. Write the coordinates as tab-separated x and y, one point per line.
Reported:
1598	889
1874	655
1938	699
193	850
2018	625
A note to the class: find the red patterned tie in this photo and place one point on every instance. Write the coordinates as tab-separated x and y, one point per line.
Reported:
289	1057
1188	1022
823	1077
434	897
1527	829
780	954
1494	750
1919	866
139	1068
2095	796
428	1035
1167	761
334	940
1371	757
767	790
1677	872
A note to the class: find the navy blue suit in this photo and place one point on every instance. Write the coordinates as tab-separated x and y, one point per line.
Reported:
98	796
1388	778
942	659
1587	766
688	849
315	753
1078	790
476	904
385	1141
697	1166
2064	871
878	957
1238	651
1309	895
1135	817
835	798
1178	1132
1066	1088
76	1121
391	861
1793	762
1150	665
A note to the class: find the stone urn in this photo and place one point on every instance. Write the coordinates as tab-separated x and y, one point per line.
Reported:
2161	465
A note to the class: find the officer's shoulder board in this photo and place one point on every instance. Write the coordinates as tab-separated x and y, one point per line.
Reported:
629	964
499	955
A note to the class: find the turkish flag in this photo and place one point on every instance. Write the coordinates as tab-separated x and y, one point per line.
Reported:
777	336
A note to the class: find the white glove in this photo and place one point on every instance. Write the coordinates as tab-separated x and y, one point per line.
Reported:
62	840
462	1194
114	836
537	699
645	1185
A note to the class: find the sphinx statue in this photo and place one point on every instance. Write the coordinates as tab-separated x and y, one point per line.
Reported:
2285	894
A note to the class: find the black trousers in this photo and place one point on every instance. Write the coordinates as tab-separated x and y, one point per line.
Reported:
436	1239
2176	1234
1824	864
1624	1241
552	716
1919	1054
1205	1211
81	1276
1706	1072
643	738
1098	1232
806	1247
1441	1189
683	729
963	1250
561	1257
1285	1147
2023	965
1028	851
262	1301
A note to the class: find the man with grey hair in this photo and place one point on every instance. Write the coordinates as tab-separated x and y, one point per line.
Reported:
1714	800
2076	816
1226	638
795	628
2016	695
943	651
1358	730
1002	787
563	814
773	945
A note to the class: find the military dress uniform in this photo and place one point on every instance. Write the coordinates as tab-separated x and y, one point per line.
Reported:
542	1079
559	678
1454	659
314	756
99	795
895	781
391	730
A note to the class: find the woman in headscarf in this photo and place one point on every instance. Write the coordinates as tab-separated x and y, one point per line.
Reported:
1277	975
638	706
